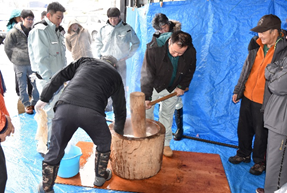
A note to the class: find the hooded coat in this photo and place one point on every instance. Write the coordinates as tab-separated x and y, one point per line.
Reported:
79	42
12	22
173	27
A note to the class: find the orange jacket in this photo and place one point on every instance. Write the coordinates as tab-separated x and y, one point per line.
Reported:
254	87
3	112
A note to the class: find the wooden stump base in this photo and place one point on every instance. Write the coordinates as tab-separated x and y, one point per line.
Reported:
137	158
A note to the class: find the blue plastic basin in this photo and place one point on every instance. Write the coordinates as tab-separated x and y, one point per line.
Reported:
70	163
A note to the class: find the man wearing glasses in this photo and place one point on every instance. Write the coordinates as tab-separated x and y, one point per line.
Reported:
16	48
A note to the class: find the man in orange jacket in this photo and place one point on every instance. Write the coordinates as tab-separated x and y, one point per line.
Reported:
270	46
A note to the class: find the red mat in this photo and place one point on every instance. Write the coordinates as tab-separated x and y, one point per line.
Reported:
184	172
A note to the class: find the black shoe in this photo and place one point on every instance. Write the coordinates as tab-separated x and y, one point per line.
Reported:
257	169
259	190
237	159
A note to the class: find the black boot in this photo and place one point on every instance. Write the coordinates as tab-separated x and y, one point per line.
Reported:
102	173
178	119
49	173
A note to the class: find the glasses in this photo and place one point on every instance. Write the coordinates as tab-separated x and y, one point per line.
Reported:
30	19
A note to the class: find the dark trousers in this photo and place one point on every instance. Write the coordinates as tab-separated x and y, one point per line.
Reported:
251	123
68	118
3	171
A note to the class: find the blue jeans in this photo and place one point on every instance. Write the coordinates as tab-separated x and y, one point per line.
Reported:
22	72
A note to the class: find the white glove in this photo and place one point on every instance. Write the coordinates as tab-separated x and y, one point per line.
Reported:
39	105
32	77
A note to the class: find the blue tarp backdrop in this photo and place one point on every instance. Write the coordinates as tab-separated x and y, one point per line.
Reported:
220	30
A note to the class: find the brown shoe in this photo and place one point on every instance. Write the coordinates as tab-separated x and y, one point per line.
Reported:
167	151
237	159
257	169
259	190
29	110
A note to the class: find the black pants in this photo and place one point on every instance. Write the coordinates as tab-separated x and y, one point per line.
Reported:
68	118
3	171
30	87
251	123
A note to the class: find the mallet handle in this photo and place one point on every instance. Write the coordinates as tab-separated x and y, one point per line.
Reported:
165	97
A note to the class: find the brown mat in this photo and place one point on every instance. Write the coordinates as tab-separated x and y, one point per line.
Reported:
184	172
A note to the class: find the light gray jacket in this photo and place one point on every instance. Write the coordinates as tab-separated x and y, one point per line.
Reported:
275	114
119	41
47	49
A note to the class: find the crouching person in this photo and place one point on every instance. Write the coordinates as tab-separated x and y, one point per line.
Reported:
82	104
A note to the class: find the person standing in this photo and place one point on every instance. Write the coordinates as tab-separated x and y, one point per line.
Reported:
275	121
118	39
15	17
162	24
87	106
78	40
47	49
6	128
16	48
43	14
269	47
166	68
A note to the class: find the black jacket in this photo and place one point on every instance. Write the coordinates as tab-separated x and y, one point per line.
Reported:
92	82
157	70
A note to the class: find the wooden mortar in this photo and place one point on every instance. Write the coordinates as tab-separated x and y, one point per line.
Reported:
138	153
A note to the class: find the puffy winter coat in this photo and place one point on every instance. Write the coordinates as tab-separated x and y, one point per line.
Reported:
16	46
275	112
79	42
92	82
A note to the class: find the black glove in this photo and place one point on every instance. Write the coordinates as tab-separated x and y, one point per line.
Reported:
119	130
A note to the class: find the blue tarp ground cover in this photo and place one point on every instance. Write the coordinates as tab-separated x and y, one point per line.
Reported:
24	163
221	33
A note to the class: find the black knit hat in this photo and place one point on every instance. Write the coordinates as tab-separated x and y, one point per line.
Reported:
159	20
111	60
267	22
113	12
